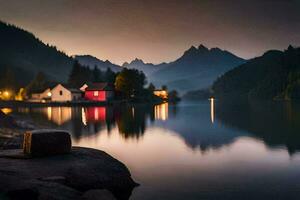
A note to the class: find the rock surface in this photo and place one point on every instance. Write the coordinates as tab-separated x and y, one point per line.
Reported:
64	176
98	195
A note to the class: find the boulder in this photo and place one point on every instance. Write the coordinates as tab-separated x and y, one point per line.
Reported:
46	142
66	176
98	195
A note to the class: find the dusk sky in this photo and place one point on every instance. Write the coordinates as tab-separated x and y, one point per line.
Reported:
157	31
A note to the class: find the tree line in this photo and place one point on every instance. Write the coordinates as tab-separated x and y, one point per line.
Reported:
129	83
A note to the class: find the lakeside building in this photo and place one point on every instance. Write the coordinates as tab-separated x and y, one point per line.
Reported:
44	95
161	93
99	92
62	93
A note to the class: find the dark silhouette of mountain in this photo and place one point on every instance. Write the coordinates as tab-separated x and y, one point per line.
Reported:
275	74
147	68
92	61
25	55
197	68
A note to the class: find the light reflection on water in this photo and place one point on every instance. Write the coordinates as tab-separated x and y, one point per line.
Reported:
208	150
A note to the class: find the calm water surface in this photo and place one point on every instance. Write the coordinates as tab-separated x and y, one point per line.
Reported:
207	150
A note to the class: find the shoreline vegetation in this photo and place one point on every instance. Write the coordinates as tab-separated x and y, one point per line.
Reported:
128	85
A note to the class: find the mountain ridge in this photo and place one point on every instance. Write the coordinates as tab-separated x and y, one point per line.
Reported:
26	55
196	64
91	61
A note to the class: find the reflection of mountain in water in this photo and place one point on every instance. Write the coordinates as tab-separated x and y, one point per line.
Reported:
277	123
197	127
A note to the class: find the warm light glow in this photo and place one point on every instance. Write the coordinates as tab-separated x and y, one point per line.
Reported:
96	93
161	111
49	94
212	110
6	110
58	115
132	111
161	93
83	117
6	93
49	113
96	116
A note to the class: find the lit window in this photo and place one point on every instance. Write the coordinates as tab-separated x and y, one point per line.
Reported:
96	93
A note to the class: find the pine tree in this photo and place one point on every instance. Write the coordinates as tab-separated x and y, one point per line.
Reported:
74	78
96	74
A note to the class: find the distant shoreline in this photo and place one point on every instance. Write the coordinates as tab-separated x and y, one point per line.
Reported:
10	104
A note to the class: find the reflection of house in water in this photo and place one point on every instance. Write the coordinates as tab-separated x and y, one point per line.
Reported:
95	114
58	115
161	111
6	110
95	118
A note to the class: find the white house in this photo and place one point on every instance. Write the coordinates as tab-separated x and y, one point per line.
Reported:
61	93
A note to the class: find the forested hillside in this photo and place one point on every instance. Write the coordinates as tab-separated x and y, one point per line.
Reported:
274	75
22	56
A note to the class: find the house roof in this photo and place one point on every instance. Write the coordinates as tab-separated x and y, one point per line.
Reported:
99	86
40	91
72	90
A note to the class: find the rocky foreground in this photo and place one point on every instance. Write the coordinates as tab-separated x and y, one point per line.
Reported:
79	173
82	174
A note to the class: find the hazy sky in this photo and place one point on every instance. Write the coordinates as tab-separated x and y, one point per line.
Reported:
157	30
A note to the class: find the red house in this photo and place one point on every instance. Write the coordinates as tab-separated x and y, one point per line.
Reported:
99	92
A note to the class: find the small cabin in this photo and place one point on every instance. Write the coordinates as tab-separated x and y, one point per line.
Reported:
62	93
99	92
44	95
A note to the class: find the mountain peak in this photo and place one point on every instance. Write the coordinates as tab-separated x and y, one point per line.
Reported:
203	48
137	61
125	64
191	50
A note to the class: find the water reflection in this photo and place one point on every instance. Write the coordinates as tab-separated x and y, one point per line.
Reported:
208	150
276	123
201	126
161	111
59	115
6	110
212	109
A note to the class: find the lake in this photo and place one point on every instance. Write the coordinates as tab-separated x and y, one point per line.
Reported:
204	150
